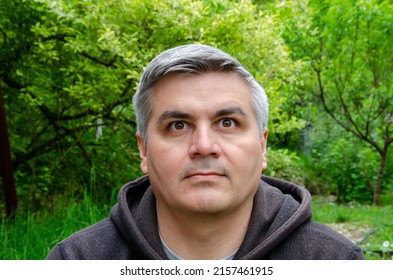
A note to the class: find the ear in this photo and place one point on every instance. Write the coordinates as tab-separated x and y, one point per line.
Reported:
142	153
264	147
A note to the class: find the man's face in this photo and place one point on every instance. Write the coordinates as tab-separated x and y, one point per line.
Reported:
203	153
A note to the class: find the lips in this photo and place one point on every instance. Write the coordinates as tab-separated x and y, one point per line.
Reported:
204	174
204	169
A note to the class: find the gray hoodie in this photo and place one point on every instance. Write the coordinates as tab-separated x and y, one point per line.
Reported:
280	228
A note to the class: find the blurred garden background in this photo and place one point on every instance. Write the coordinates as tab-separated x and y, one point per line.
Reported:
69	69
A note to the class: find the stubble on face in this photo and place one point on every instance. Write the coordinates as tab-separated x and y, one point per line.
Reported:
207	183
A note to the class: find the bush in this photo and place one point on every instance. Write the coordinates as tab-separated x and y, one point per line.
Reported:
285	165
344	168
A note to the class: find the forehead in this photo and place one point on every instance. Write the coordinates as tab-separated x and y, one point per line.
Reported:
200	91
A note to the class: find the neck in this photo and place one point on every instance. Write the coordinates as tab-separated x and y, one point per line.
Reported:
203	236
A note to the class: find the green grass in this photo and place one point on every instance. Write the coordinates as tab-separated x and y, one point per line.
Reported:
377	241
31	236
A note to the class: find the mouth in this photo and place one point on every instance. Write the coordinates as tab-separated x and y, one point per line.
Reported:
204	175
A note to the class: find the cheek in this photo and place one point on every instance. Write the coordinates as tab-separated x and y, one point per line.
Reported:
249	158
164	160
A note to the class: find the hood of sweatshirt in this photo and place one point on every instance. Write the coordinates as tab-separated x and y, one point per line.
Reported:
279	209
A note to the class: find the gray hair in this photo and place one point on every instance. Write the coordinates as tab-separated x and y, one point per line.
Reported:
194	59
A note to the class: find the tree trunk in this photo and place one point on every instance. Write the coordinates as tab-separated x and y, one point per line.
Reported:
6	169
378	182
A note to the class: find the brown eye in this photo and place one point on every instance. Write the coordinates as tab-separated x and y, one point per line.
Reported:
227	123
177	125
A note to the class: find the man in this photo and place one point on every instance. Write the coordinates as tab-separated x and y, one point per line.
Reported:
202	134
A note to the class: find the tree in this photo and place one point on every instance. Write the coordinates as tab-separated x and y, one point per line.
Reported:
6	170
348	47
69	70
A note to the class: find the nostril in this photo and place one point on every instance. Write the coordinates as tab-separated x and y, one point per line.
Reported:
201	151
204	143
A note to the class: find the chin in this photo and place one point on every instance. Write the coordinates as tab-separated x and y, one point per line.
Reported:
207	205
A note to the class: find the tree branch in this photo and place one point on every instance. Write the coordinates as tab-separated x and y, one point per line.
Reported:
342	124
50	145
109	63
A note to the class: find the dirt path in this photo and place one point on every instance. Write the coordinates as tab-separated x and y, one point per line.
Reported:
353	231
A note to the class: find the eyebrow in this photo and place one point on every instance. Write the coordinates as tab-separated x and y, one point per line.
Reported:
174	115
235	110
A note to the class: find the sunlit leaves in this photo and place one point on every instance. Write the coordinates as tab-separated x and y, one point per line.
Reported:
69	63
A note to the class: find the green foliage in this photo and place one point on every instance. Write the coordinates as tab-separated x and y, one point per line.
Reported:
285	165
69	69
345	164
68	66
346	48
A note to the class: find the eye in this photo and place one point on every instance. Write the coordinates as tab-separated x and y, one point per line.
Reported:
177	125
227	123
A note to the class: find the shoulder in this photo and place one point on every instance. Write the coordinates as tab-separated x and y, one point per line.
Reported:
99	241
316	241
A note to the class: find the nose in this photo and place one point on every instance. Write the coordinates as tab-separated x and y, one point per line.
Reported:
204	143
